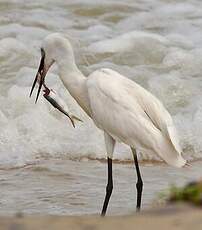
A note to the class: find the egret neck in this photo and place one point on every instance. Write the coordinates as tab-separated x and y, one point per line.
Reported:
74	81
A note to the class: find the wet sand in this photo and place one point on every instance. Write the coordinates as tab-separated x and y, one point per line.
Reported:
169	218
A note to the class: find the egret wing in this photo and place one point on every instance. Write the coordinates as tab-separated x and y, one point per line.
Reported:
128	112
116	110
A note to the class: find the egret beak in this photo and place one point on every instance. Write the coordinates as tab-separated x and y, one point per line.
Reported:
40	76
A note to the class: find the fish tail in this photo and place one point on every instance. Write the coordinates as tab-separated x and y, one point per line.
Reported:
76	118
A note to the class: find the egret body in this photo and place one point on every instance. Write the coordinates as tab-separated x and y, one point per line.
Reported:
124	110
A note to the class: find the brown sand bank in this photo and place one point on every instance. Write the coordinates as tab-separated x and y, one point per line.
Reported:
169	218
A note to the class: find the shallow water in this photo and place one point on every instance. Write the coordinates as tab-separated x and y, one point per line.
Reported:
65	187
157	43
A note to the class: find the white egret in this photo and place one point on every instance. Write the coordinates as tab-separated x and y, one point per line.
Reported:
124	110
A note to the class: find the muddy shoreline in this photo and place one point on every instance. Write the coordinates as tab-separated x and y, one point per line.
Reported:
171	217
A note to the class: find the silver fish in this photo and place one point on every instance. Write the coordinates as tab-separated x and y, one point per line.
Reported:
53	98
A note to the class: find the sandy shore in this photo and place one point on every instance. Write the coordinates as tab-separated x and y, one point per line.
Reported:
175	217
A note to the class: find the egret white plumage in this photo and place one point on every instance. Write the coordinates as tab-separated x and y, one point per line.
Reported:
124	110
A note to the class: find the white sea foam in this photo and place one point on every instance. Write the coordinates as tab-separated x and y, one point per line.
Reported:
127	42
140	40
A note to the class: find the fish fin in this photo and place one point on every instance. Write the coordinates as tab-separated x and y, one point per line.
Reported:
72	121
76	118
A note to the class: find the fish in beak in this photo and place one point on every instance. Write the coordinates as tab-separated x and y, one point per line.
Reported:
40	76
49	94
58	103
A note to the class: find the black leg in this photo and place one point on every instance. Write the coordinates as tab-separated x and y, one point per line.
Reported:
139	184
109	187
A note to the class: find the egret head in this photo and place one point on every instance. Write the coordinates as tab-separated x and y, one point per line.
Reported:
55	48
